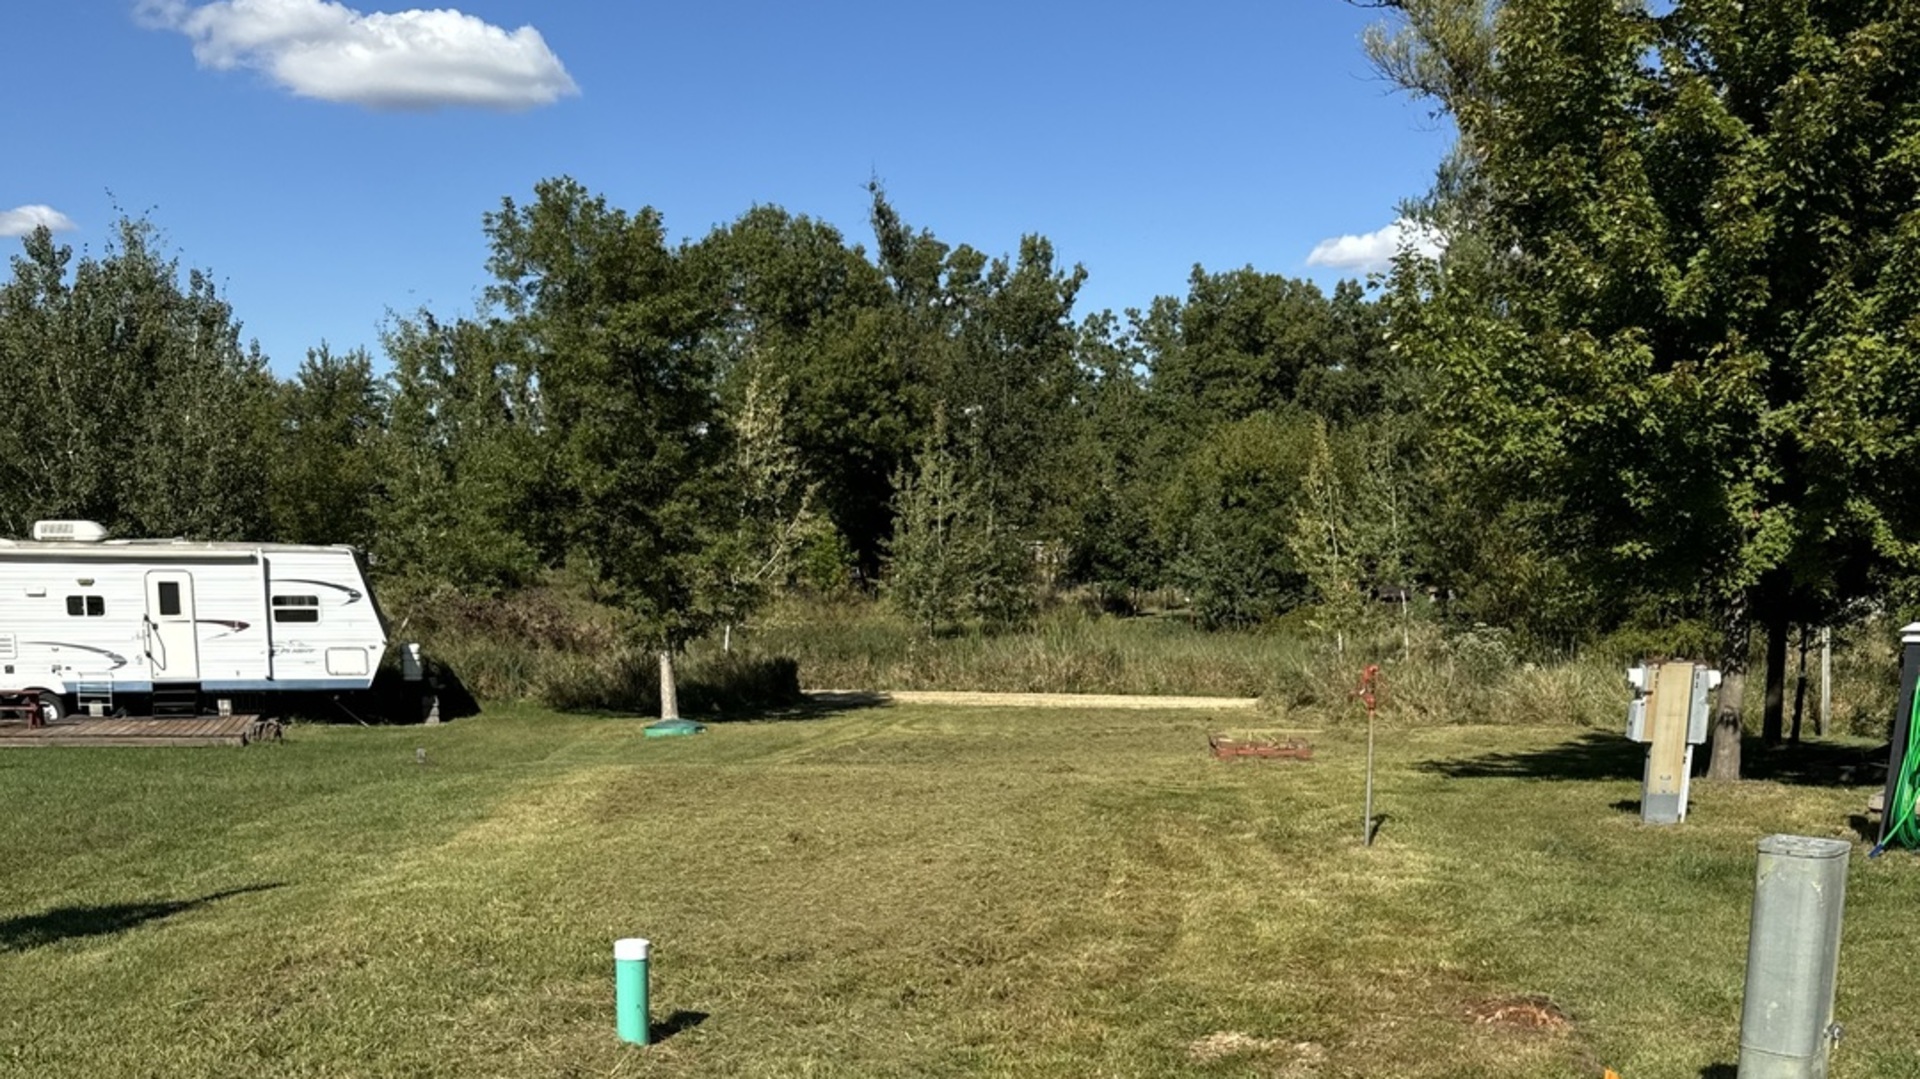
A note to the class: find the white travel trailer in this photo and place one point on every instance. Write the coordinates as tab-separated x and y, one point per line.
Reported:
106	625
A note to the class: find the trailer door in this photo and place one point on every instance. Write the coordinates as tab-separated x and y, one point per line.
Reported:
172	641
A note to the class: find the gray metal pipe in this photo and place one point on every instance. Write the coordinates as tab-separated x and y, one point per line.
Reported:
1793	958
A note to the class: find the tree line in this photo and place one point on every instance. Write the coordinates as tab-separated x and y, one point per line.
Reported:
695	425
1662	376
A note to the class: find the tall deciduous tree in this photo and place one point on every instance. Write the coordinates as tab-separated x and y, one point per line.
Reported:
463	463
615	326
949	557
802	312
1683	294
324	473
1227	511
753	548
126	395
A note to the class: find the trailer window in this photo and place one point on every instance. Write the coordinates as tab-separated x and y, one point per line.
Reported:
169	597
86	606
296	608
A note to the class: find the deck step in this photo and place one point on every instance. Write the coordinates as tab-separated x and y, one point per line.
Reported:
175	700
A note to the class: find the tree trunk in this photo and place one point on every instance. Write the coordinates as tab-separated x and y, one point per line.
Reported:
669	688
1726	726
1778	630
1799	690
1727	729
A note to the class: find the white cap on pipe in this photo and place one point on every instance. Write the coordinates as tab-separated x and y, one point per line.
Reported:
630	948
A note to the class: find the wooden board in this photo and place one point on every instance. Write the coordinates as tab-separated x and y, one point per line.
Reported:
138	731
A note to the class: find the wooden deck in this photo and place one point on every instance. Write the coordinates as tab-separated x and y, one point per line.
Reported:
140	731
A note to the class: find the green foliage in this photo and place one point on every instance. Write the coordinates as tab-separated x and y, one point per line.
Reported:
126	396
1676	314
1243	341
611	321
463	463
948	558
805	314
755	550
1116	460
1227	513
1676	307
324	476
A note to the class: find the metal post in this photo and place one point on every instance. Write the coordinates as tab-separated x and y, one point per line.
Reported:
630	989
1826	680
1793	958
1366	827
1369	693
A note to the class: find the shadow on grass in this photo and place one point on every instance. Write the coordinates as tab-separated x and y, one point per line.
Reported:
1719	1071
67	923
811	705
1594	755
1375	826
1865	827
1591	755
680	1019
816	704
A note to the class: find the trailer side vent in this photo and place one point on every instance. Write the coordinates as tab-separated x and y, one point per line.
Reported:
70	531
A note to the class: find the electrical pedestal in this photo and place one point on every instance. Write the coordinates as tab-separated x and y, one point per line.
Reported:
1669	714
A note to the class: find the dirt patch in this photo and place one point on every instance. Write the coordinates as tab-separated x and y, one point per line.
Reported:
1227	1043
1520	1013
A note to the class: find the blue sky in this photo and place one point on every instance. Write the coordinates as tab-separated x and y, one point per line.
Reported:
330	163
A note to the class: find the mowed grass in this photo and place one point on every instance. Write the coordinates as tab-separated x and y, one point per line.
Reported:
899	891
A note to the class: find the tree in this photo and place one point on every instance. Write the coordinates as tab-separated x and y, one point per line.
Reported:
1226	512
1681	291
1117	455
802	312
1322	538
990	341
463	464
754	549
948	557
614	326
1244	341
325	474
126	395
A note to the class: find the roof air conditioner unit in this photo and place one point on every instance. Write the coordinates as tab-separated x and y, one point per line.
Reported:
70	531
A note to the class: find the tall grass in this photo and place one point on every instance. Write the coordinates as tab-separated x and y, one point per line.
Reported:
558	646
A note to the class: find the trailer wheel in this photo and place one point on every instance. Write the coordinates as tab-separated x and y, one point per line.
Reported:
53	708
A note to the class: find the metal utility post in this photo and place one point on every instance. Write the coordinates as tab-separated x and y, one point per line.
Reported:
1368	692
1793	958
1669	713
1826	681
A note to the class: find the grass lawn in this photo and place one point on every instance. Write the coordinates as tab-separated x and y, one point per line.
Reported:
900	891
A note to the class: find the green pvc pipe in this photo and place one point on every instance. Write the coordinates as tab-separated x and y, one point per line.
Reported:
630	989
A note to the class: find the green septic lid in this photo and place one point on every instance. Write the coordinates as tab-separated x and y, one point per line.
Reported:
667	727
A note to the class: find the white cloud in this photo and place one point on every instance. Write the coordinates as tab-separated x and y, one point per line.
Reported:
414	60
1375	250
24	219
